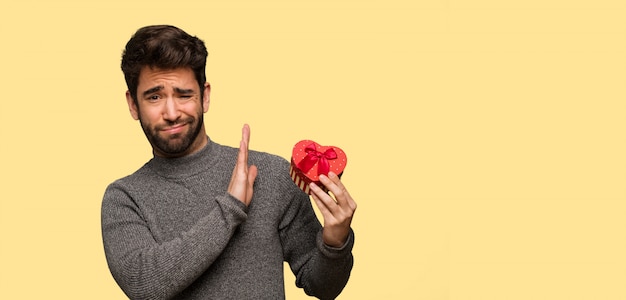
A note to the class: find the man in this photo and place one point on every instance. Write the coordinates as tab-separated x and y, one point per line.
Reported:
205	221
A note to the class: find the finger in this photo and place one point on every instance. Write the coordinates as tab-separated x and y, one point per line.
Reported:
239	185
323	201
242	158
334	185
326	199
245	134
243	147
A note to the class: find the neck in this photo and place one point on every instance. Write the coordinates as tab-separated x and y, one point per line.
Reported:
177	167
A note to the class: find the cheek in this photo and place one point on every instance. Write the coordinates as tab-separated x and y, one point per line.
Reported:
192	109
148	117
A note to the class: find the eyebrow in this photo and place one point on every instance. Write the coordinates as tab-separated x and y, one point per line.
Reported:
183	91
157	88
152	90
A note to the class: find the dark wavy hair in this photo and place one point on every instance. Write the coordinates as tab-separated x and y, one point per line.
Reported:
164	47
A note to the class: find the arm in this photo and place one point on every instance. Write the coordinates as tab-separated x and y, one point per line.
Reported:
321	270
145	269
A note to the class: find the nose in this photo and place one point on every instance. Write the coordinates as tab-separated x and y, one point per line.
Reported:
170	110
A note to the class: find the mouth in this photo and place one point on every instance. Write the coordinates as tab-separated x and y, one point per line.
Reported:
174	129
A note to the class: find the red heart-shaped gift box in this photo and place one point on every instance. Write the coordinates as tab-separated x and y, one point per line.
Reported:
309	160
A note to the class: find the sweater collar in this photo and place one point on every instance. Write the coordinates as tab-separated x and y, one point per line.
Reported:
187	165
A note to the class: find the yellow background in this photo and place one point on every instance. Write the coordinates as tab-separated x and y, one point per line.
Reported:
486	139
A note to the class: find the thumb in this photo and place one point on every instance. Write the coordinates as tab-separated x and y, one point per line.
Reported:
252	173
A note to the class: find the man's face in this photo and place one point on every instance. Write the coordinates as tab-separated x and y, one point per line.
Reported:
170	108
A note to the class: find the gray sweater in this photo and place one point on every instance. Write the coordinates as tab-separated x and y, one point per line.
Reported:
171	231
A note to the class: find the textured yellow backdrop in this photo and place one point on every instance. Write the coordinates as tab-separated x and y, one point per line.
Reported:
486	139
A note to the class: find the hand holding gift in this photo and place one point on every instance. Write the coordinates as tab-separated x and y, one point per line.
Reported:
316	170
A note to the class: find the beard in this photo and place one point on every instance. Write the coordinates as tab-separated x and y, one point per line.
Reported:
176	144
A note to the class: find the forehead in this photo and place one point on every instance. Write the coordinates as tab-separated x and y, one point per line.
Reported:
180	77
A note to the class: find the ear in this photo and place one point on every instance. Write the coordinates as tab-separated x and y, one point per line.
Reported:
206	97
132	107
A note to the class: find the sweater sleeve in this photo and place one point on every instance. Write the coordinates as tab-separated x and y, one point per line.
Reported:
322	271
145	269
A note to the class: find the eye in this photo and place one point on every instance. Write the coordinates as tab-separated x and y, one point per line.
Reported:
153	98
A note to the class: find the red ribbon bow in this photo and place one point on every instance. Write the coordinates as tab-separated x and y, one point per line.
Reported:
313	156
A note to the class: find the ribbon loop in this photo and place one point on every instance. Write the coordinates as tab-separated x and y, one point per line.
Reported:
313	156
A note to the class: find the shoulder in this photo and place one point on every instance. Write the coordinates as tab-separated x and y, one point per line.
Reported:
258	158
127	182
273	171
267	159
271	166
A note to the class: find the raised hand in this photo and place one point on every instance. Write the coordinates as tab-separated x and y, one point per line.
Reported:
337	212
243	177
